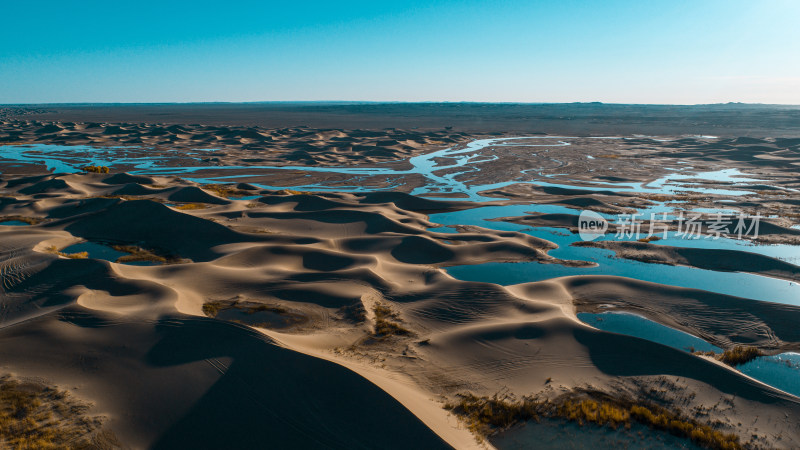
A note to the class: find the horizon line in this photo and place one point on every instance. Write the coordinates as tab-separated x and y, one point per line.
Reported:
387	102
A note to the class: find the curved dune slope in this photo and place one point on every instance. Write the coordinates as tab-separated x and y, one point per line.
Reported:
327	320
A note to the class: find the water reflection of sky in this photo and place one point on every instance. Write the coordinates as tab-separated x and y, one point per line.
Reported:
442	169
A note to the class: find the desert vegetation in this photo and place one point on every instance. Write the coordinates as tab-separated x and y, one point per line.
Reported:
386	322
649	239
487	415
735	356
95	169
190	206
224	190
293	192
36	416
740	355
211	309
284	318
26	219
137	254
355	312
79	255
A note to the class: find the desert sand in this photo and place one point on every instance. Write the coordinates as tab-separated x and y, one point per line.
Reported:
328	319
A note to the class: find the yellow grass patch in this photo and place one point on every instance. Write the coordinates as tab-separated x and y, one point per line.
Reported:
35	416
487	415
80	255
95	169
189	206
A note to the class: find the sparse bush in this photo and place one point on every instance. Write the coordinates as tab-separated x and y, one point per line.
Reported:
80	255
35	416
739	355
487	415
293	192
286	317
95	169
266	308
599	413
223	190
26	219
700	434
385	322
355	312
137	254
211	309
188	206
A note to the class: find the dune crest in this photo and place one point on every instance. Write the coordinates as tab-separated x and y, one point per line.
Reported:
317	284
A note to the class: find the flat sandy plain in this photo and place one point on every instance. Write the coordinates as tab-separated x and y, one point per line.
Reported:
283	315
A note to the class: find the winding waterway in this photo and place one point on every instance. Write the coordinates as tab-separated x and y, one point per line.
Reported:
442	171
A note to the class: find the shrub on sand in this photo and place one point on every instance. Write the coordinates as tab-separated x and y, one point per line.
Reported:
95	169
223	190
488	415
386	322
739	355
80	255
36	416
137	254
26	219
354	313
211	309
188	206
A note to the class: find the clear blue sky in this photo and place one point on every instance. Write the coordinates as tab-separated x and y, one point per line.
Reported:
646	51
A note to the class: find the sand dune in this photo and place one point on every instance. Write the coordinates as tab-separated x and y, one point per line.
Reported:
239	316
721	319
711	259
271	335
296	144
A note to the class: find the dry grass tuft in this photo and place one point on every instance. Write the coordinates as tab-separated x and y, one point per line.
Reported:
355	313
35	416
293	192
80	255
137	254
188	206
282	318
224	190
592	411
95	169
700	434
26	219
211	309
386	322
739	355
488	415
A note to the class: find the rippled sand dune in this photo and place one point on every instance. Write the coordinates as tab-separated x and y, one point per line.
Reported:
241	316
